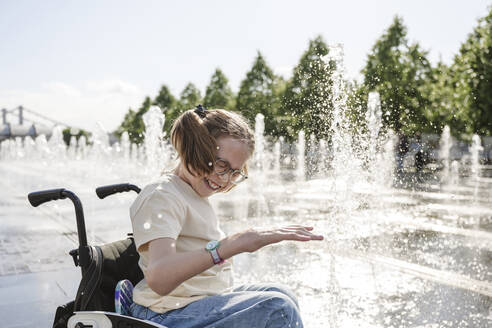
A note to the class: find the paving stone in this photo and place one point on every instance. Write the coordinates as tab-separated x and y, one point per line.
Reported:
38	293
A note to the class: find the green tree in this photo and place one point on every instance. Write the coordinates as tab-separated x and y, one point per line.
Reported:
444	102
164	99
356	106
190	97
126	124
218	93
398	71
307	104
472	78
168	105
133	122
68	133
257	95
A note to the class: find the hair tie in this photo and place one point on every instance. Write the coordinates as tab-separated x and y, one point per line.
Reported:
201	111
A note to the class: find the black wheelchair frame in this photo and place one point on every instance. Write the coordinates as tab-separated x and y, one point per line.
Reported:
101	267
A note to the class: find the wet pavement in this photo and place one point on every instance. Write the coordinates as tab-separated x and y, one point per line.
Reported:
36	272
35	277
30	299
399	258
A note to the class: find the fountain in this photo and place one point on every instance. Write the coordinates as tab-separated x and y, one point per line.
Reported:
417	257
300	162
445	144
475	152
154	152
374	124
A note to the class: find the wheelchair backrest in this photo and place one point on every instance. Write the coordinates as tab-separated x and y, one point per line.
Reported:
109	264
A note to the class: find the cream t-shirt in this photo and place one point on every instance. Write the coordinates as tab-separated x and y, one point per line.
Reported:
171	208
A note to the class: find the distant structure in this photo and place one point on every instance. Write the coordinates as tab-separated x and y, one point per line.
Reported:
23	122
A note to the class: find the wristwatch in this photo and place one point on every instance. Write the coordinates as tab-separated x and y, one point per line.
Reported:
212	247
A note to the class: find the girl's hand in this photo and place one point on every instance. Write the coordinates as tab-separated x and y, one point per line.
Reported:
254	239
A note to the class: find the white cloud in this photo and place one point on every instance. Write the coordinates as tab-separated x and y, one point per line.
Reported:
104	101
61	88
112	86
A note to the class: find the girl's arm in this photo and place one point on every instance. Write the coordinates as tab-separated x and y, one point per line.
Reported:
168	269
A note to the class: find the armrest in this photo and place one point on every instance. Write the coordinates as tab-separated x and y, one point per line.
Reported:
99	319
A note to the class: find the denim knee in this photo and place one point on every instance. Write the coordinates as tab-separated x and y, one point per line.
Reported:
274	287
285	310
269	287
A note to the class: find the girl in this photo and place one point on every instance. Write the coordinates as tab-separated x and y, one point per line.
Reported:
185	257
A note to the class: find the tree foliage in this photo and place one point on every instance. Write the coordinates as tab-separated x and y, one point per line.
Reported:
189	98
307	104
415	96
68	133
218	93
168	105
472	75
164	99
398	71
133	122
459	94
257	94
444	103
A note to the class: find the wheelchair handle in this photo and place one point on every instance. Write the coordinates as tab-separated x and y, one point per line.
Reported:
39	197
105	191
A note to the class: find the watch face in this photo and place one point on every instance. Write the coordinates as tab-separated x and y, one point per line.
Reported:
211	245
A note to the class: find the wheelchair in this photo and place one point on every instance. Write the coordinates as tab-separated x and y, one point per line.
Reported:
103	267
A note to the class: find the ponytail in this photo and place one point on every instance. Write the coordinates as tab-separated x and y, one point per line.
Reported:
194	144
194	135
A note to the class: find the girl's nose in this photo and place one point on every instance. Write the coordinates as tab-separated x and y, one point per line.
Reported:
223	177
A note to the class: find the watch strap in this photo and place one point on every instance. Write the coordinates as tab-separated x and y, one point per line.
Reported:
216	257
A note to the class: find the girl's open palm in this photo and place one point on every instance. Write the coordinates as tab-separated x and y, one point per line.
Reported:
255	239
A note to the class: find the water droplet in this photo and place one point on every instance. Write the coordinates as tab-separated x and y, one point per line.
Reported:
146	225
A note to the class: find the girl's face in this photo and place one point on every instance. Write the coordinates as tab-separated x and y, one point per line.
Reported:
231	150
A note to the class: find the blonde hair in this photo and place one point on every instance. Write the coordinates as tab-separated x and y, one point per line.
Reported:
194	135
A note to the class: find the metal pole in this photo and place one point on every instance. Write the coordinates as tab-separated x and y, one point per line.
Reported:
21	117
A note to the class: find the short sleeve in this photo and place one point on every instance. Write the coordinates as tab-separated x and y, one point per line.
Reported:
159	215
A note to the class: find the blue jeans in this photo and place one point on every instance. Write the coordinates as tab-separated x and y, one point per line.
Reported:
258	306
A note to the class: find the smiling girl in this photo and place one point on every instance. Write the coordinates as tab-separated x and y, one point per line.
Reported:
185	256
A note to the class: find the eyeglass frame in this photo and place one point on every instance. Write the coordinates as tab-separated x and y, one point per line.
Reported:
230	171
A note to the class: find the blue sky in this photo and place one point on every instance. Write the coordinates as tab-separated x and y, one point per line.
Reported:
88	61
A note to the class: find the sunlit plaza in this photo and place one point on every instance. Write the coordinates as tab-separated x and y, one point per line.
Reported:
408	234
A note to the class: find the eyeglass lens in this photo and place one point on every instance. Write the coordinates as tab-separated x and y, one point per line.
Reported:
222	167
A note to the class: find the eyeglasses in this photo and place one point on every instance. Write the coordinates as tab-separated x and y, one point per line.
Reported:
222	167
